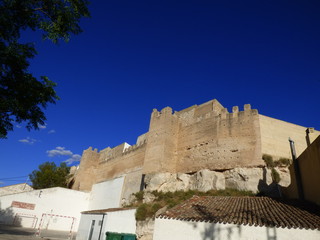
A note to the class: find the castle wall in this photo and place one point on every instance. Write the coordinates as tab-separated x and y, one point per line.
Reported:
129	161
218	140
162	142
275	134
86	174
199	137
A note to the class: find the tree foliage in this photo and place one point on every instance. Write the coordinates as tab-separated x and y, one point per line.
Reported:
23	97
49	175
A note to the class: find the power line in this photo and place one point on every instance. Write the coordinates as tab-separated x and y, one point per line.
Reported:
11	178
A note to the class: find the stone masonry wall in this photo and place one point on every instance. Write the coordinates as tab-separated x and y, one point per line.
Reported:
107	164
85	176
127	162
219	141
199	137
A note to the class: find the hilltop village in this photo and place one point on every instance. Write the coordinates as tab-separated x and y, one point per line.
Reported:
202	148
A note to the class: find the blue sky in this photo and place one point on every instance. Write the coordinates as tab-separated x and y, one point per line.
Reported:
134	56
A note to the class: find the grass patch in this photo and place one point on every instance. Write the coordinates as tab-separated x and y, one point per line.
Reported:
171	199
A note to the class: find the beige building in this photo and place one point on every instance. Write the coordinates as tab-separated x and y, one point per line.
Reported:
204	136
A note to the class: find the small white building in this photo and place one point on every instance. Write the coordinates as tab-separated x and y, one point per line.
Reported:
95	224
46	209
237	218
104	213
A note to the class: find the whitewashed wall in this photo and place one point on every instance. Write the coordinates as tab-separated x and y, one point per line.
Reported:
121	221
183	230
117	221
58	201
106	194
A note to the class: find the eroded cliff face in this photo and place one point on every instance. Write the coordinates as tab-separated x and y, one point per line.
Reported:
244	179
199	137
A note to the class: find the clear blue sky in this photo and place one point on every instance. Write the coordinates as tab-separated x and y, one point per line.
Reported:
134	56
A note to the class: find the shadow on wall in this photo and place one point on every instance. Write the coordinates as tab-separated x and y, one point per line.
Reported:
270	190
217	231
7	217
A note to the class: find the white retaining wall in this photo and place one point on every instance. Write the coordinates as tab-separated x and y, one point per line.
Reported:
184	230
106	194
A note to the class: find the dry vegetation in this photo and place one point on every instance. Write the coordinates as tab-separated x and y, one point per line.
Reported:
171	199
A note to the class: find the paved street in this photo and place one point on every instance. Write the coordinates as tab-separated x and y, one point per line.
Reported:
18	233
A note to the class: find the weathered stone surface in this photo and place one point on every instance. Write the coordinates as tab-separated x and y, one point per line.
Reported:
167	182
155	182
185	179
144	230
205	180
285	179
248	179
148	197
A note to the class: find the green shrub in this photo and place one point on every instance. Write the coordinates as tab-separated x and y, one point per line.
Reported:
268	160
139	196
275	175
142	212
171	199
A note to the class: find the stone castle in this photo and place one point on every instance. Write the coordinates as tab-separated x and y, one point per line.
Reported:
204	136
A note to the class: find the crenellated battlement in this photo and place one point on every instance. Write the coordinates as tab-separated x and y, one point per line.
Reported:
134	147
198	137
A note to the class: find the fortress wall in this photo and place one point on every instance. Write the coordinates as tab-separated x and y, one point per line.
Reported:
221	141
275	134
161	142
107	164
204	136
86	174
110	153
129	161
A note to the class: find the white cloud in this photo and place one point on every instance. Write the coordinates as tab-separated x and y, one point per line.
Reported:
18	126
62	151
59	151
52	131
42	126
28	140
74	158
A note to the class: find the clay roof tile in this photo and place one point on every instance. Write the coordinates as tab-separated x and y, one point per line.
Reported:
254	211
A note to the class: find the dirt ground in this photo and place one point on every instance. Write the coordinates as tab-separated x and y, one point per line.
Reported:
18	233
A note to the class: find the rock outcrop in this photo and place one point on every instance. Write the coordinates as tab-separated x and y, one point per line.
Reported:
144	230
246	179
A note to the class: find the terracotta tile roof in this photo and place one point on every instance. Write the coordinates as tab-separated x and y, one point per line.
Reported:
255	211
